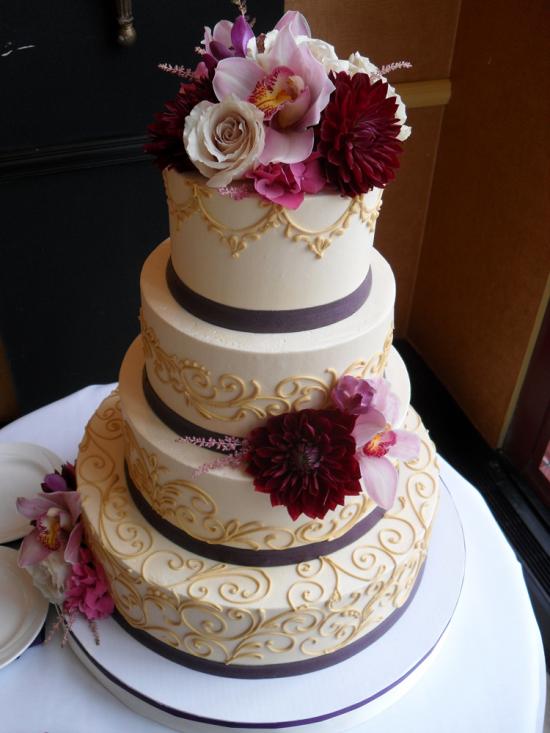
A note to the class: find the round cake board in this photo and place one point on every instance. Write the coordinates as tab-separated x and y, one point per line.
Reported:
333	699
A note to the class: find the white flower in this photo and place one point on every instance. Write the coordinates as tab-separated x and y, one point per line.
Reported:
323	52
358	64
401	114
224	140
50	575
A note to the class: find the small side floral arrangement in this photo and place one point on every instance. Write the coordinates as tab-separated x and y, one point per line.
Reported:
279	114
54	553
310	460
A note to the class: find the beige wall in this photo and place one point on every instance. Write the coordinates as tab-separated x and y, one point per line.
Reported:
486	251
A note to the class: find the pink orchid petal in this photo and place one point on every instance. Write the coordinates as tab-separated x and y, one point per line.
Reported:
236	76
241	33
68	501
287	147
407	445
73	544
297	23
35	507
286	52
32	550
380	478
318	82
293	112
222	32
367	426
384	400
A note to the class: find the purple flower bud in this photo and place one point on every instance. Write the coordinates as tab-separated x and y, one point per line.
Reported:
353	395
53	482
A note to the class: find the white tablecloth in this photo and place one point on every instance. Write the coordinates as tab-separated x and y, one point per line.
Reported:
489	676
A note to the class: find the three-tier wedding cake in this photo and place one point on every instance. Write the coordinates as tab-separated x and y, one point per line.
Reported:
258	490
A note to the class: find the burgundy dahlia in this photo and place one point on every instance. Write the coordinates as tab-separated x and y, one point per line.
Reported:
166	131
305	460
357	135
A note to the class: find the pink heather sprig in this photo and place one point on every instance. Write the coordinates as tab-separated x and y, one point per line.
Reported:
394	66
233	460
227	444
182	71
237	190
235	447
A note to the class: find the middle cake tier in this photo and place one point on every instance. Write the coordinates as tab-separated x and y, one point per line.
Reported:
219	510
229	382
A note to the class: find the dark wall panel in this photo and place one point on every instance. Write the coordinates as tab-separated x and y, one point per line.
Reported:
80	205
76	83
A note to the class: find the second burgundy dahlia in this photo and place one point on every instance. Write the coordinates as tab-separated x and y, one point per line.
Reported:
305	460
166	132
357	137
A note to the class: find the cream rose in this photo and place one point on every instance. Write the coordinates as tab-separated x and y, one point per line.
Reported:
224	140
50	575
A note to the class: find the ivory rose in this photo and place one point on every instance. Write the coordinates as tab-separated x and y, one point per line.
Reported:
50	576
224	140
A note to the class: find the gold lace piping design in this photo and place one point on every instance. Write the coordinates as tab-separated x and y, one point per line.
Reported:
237	239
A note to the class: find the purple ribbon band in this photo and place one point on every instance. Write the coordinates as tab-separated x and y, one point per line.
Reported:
269	671
255	321
242	555
178	424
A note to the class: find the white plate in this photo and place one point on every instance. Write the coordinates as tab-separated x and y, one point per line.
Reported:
22	470
23	608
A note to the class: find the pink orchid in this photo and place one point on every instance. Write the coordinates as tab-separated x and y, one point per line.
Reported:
227	39
288	85
297	23
287	183
87	590
356	396
375	440
56	526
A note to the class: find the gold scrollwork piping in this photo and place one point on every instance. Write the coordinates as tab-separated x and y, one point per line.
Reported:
227	613
236	239
193	510
230	398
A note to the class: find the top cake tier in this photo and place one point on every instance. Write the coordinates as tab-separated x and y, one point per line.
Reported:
257	256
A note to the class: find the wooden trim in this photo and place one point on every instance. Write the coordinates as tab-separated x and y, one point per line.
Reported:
433	93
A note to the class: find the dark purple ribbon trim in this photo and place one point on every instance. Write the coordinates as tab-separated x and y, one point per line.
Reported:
256	321
270	671
241	555
169	417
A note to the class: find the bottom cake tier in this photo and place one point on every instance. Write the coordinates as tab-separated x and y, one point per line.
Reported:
247	621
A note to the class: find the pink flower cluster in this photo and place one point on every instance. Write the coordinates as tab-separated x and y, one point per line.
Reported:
281	110
54	554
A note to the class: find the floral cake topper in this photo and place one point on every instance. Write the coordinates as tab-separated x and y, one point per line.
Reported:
279	114
309	461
